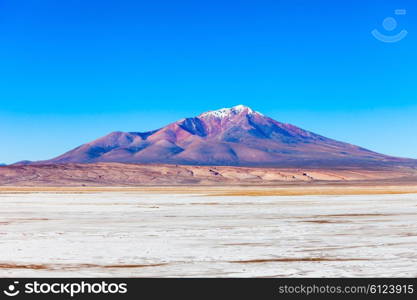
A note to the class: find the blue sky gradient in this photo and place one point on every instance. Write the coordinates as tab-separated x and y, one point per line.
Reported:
72	71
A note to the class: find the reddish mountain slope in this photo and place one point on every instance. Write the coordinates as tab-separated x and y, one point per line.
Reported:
231	136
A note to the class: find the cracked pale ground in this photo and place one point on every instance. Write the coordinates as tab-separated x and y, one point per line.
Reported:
138	234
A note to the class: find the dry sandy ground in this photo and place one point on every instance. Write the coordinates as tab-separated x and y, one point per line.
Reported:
117	174
313	188
207	232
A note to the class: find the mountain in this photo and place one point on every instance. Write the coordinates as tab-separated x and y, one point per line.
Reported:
237	136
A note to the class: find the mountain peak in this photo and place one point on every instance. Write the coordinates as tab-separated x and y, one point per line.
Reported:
229	136
228	112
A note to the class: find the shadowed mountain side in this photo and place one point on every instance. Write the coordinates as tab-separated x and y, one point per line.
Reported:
118	174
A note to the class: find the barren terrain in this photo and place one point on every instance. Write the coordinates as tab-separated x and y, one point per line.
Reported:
135	234
127	220
118	174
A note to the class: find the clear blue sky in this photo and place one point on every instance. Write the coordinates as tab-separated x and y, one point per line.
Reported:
72	71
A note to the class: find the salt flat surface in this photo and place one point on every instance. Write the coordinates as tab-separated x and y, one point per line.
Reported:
151	235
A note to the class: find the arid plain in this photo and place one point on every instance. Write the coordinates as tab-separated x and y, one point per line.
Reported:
301	222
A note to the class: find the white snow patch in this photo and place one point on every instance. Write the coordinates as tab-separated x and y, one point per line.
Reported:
228	112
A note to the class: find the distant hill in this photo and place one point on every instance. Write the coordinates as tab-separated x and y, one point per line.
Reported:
237	136
120	174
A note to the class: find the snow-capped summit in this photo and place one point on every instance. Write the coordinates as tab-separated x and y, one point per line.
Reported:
229	112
